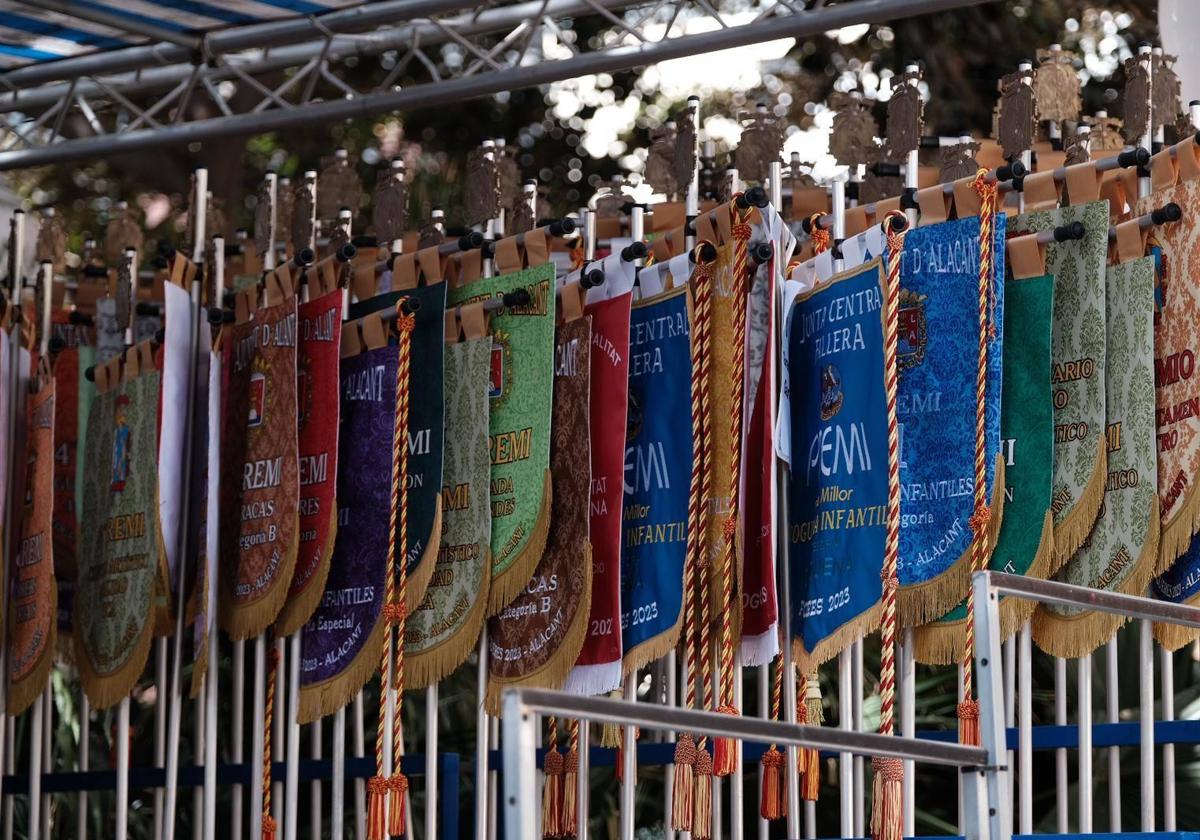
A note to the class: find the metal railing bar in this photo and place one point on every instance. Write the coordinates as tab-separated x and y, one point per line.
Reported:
652	716
1069	595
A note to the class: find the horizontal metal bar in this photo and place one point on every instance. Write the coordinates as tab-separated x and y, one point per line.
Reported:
485	84
124	23
654	716
1069	595
1053	737
261	61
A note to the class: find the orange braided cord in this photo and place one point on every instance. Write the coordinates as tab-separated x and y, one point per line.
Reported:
821	238
695	541
704	570
887	664
268	822
398	784
979	544
741	233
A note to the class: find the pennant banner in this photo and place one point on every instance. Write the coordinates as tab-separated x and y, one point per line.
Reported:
1025	542
598	668
177	360
657	471
1080	456
119	549
760	609
837	449
260	490
443	629
32	605
520	401
1177	384
426	429
935	409
341	643
72	395
1121	553
536	639
320	323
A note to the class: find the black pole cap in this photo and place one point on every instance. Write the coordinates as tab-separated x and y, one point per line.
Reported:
1168	213
761	252
753	197
346	253
896	223
470	240
591	278
1011	171
1133	157
562	227
1072	231
708	252
304	257
908	199
634	251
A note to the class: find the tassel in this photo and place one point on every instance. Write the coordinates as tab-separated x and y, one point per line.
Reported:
968	723
703	805
681	790
773	802
610	733
887	809
812	699
268	827
570	779
552	794
809	762
397	788
376	808
725	749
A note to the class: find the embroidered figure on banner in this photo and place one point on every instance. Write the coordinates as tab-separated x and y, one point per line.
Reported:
120	455
913	333
832	397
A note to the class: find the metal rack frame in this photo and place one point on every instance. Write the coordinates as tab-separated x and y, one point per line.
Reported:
141	97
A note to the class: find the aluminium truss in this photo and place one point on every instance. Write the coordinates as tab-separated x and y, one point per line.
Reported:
423	53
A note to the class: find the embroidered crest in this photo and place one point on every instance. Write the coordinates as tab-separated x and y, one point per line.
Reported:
912	336
430	234
1166	93
799	177
302	216
337	185
509	176
1077	151
285	205
1056	86
123	292
1136	99
832	397
852	142
660	162
262	219
1015	125
500	376
258	394
483	185
1106	134
51	240
121	452
391	197
904	117
761	143
685	148
958	161
121	232
878	187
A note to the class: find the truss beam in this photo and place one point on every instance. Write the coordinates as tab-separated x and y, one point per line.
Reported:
626	54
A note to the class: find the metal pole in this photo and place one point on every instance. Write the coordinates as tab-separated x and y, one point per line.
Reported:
1146	720
212	534
85	748
257	720
1025	729
337	801
671	671
37	721
846	786
292	787
991	721
859	776
483	84
360	785
316	733
123	770
1085	744
238	727
908	725
1060	755
764	712
520	770
1113	710
1009	648
431	762
481	741
47	756
1168	758
161	683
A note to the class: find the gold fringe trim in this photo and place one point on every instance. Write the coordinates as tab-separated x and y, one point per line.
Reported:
1077	524
418	578
249	620
1177	534
839	640
922	603
553	672
438	662
655	647
1073	636
22	693
508	584
327	696
297	610
106	691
